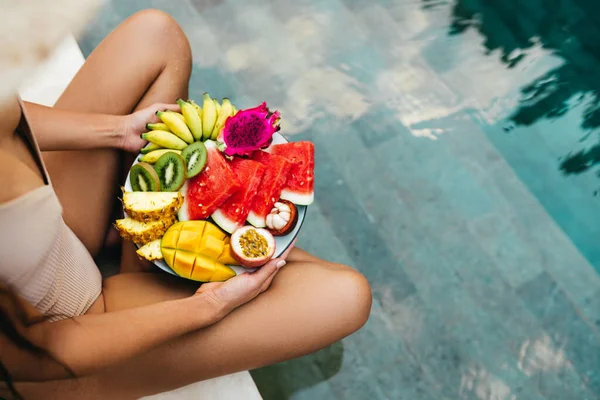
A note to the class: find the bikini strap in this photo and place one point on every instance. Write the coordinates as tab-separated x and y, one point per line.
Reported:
25	130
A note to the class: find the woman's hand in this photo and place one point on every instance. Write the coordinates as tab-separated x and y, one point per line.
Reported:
228	295
134	125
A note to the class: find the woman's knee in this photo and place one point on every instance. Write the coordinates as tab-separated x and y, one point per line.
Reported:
164	32
347	288
355	295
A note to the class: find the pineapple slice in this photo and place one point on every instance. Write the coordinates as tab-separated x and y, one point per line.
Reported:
151	206
151	251
143	232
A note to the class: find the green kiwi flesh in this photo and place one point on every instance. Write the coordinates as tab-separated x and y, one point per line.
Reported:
143	178
194	156
171	171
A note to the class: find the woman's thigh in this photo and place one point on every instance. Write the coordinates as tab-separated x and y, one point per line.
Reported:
309	306
145	60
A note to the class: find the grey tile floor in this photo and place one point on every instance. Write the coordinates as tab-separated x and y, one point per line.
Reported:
455	167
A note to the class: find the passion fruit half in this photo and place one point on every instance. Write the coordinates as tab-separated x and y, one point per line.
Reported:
252	247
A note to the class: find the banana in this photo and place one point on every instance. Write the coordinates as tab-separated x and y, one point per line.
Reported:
233	110
192	120
218	106
165	139
178	115
225	112
197	107
153	156
176	126
159	126
150	147
209	116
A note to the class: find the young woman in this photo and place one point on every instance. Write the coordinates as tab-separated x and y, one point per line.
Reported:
65	333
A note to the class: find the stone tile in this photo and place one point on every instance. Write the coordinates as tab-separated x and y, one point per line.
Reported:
406	382
578	340
591	309
378	344
503	245
354	381
313	234
376	128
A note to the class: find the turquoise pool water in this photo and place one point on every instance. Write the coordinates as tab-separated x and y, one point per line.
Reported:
457	151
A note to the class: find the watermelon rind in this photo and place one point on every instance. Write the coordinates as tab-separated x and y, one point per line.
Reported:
256	220
225	223
301	190
301	199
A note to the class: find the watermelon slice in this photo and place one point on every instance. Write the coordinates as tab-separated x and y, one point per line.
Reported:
276	173
208	190
300	186
233	213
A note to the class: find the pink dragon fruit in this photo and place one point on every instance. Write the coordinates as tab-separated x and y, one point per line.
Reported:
248	130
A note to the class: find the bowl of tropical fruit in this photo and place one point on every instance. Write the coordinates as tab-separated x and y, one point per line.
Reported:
217	191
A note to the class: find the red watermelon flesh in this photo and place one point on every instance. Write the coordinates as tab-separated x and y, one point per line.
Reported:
300	186
233	213
208	190
276	173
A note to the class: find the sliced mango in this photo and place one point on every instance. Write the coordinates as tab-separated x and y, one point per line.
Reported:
210	246
170	238
185	263
222	273
168	255
226	256
198	250
213	230
188	241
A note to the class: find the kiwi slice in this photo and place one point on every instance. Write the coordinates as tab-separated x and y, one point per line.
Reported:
171	171
194	156
143	178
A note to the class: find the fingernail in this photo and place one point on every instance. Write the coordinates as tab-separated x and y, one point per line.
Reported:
280	263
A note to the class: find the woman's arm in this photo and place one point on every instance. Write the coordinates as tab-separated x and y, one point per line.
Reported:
90	342
57	129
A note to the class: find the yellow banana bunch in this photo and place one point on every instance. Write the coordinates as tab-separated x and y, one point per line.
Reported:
176	125
177	130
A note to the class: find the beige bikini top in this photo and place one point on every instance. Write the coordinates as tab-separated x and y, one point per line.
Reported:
40	257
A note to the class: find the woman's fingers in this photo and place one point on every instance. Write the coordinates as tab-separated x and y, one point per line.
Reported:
262	273
260	276
267	283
